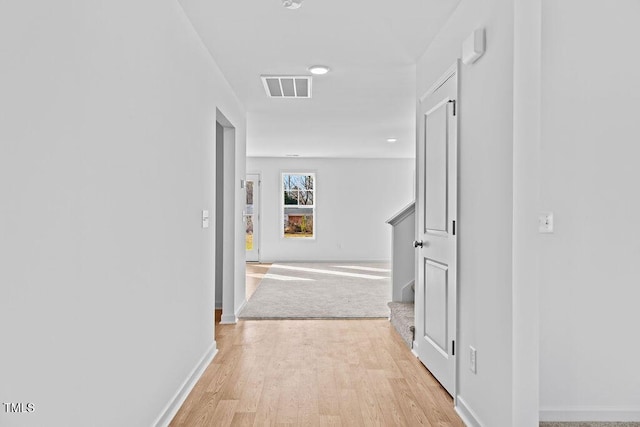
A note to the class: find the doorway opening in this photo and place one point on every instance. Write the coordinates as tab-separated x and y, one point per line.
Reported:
252	217
224	252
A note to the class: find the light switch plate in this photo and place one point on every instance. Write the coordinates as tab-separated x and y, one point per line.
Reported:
472	360
205	219
545	222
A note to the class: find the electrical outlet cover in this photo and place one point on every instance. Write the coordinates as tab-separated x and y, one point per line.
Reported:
545	222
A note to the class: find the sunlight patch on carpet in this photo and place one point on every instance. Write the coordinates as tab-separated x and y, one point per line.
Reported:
331	272
320	291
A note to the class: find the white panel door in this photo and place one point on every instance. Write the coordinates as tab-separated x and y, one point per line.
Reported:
436	158
252	217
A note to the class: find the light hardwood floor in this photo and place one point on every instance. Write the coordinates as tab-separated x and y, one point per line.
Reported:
315	373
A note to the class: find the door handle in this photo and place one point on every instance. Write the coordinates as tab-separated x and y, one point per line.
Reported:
418	243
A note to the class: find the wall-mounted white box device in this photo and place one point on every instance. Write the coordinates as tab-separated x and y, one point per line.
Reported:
205	219
473	47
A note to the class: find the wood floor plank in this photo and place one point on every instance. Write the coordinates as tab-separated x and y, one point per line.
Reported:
223	415
267	409
239	378
243	419
222	377
349	401
315	373
327	397
391	411
308	410
368	404
190	405
203	411
287	412
330	421
433	399
252	390
413	413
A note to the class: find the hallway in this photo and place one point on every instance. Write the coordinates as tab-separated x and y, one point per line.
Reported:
315	372
113	230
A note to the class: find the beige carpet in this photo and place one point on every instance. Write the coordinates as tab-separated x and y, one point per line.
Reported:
321	291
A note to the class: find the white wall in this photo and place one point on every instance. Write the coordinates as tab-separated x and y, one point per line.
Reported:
354	199
526	177
107	123
589	167
485	203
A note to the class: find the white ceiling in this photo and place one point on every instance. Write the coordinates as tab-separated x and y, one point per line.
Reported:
369	95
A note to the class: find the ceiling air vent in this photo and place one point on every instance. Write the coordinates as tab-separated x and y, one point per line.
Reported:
287	86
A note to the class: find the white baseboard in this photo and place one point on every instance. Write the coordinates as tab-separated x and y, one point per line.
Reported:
178	399
232	319
228	319
469	418
414	349
590	413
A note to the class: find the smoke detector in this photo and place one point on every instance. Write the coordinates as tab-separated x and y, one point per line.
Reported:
292	4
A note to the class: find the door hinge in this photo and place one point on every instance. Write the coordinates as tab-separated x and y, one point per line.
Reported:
453	226
453	101
453	348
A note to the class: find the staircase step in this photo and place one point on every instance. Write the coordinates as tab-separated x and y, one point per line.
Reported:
402	318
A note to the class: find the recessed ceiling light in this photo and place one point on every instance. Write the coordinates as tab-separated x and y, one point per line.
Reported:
392	140
319	69
292	4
